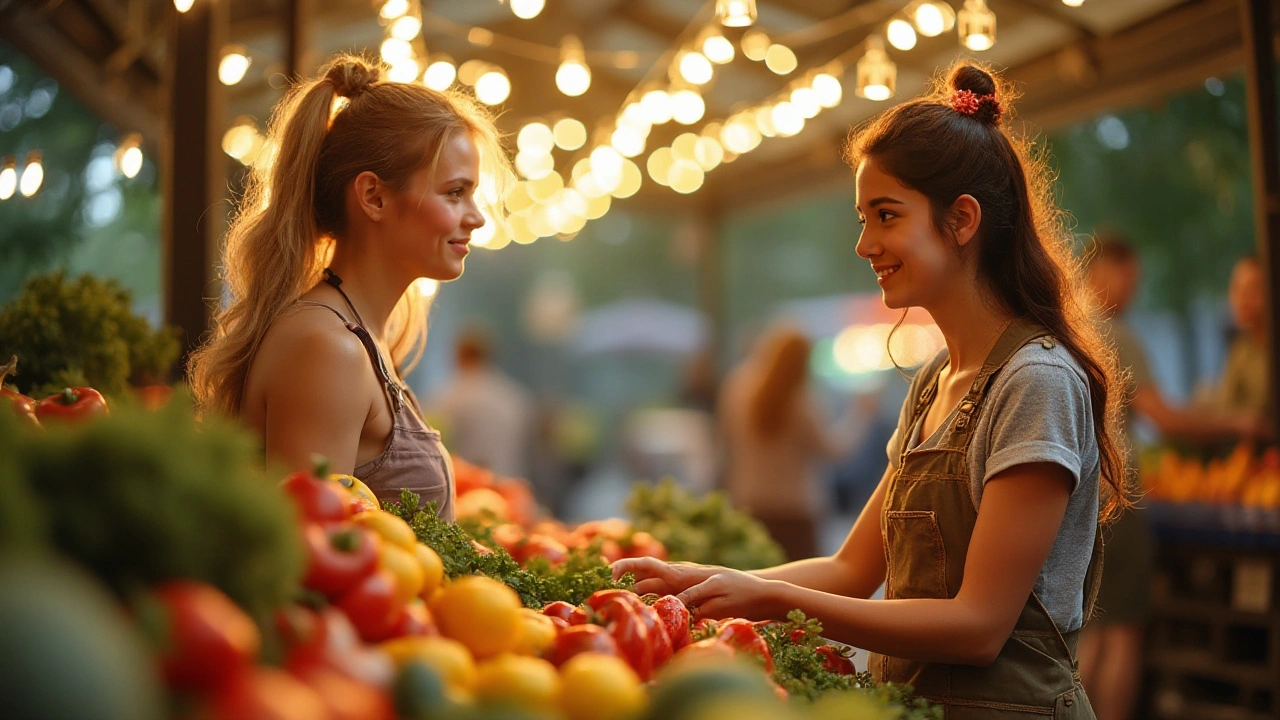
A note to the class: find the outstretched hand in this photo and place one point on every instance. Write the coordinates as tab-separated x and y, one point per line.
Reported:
708	591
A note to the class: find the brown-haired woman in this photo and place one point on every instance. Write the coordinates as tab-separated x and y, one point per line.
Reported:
774	439
373	185
1008	452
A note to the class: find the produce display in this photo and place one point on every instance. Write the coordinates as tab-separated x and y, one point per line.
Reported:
1238	494
164	574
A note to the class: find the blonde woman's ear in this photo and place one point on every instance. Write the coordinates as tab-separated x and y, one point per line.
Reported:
368	191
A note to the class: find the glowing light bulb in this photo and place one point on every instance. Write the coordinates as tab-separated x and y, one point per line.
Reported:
828	90
393	9
736	13
535	138
183	5
696	68
900	34
718	49
8	179
440	75
569	134
32	175
527	9
233	65
573	77
406	28
493	87
780	59
687	107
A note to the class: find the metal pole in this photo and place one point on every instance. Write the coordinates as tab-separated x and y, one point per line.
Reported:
1257	18
297	39
195	175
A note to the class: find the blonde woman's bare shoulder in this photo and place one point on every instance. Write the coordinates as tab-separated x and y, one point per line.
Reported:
309	350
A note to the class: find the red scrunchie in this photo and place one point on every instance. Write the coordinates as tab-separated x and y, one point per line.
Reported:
967	102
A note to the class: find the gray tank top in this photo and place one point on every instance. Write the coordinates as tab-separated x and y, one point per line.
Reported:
414	458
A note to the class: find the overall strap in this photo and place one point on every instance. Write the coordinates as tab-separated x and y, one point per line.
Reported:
1017	333
392	388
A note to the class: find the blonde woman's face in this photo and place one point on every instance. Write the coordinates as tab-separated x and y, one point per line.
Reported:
436	214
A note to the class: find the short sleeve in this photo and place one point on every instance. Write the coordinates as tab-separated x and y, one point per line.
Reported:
1041	413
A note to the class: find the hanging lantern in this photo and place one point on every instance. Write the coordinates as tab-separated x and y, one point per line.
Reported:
573	77
977	25
932	18
736	13
877	75
901	35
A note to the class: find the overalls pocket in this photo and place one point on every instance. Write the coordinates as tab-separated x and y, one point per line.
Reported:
917	557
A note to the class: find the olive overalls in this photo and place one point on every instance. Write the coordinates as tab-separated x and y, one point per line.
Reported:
926	525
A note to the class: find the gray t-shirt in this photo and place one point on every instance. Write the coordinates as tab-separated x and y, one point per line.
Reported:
1037	410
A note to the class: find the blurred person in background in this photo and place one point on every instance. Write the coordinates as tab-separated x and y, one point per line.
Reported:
487	417
1111	646
775	440
1245	386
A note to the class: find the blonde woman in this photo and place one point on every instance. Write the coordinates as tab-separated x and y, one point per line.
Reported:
374	185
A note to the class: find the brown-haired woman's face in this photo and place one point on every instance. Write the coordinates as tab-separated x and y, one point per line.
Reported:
436	213
912	261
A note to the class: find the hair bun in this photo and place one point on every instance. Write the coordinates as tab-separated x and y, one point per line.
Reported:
352	76
973	93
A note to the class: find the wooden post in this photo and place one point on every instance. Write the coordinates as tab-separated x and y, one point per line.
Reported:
195	175
1260	76
297	40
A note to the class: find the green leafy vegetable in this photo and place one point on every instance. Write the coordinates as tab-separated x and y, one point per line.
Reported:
703	530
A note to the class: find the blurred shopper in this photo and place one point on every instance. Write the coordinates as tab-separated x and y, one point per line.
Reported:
1245	385
373	186
775	441
487	417
1004	464
1111	648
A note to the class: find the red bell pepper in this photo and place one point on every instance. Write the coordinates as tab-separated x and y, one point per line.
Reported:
414	619
579	639
304	634
836	660
339	556
659	641
318	500
629	629
675	620
742	636
74	404
371	605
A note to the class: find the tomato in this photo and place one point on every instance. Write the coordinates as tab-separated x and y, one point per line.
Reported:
432	569
268	694
414	619
317	500
524	682
371	605
363	497
468	477
675	620
208	639
836	660
579	639
559	609
481	613
742	636
391	528
630	631
23	406
339	556
404	565
72	405
347	698
601	687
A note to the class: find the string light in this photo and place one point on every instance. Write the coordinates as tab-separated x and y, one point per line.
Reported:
394	50
977	25
806	101
687	107
900	34
627	141
32	175
405	71
527	9
717	48
932	18
827	87
8	178
128	157
696	68
492	87
536	138
183	5
406	27
393	9
736	13
470	71
233	65
440	75
239	140
569	134
656	105
755	45
780	59
573	76
877	75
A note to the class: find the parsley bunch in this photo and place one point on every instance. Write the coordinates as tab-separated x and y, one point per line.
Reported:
540	583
